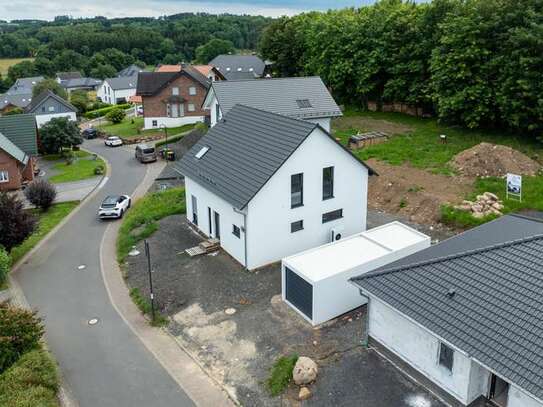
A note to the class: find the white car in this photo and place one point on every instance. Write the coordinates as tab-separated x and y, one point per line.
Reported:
113	141
114	206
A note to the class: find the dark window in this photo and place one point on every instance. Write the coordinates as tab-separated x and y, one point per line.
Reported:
446	356
296	190
299	292
296	226
209	220
330	216
303	103
154	123
327	182
235	230
194	210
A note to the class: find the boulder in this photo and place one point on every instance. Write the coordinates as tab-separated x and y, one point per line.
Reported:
304	393
490	196
305	371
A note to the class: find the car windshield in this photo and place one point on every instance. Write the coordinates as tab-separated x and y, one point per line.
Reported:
110	202
113	138
148	150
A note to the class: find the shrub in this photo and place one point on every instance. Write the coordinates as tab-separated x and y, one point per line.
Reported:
5	263
99	170
116	115
16	224
21	332
15	110
281	374
41	193
93	114
202	127
31	381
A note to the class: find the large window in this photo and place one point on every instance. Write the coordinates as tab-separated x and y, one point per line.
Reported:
296	190
175	91
330	216
4	176
296	226
446	356
191	107
192	91
327	182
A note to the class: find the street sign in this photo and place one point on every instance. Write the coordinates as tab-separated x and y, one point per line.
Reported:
513	187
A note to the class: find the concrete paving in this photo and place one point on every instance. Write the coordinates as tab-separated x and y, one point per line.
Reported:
104	364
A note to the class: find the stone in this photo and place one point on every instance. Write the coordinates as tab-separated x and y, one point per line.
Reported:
230	311
305	371
304	393
476	207
498	206
478	215
490	196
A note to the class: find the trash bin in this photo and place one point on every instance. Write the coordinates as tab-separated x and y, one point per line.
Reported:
170	155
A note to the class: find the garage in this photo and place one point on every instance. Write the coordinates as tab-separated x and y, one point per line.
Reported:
315	283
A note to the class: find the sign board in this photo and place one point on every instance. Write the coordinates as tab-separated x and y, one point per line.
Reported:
513	187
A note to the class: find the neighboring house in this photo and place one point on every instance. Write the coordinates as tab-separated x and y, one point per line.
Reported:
17	154
81	84
466	316
129	71
117	90
65	76
239	66
19	95
305	98
24	86
48	105
209	71
269	186
172	99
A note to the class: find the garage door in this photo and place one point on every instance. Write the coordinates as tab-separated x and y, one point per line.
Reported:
299	292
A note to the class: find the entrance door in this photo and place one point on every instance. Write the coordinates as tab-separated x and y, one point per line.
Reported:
194	210
499	390
217	225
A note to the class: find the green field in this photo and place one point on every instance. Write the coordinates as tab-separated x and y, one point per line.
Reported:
82	168
132	127
5	63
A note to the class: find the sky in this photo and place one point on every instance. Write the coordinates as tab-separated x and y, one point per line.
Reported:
46	10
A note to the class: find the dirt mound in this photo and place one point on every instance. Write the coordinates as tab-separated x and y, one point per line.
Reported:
413	192
493	160
364	124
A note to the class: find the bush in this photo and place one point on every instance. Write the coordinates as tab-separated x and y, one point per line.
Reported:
5	263
31	381
99	170
116	115
21	332
16	224
281	374
58	134
202	127
41	193
93	114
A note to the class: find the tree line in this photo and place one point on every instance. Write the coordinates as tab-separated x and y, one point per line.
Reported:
478	63
99	47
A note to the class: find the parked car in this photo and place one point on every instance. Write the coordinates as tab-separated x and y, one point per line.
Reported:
114	206
145	153
113	141
90	133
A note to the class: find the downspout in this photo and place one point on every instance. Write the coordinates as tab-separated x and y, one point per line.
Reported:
366	323
244	235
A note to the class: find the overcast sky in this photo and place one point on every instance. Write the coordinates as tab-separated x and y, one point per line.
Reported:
39	9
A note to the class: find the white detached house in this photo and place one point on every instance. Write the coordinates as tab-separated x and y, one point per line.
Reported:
269	186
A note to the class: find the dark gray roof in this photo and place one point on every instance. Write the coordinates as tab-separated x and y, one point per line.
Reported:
239	75
24	85
20	129
123	82
149	83
245	150
20	100
279	96
131	70
42	97
81	83
495	314
63	76
247	63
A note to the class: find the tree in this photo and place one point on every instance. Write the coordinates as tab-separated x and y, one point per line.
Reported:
213	48
41	193
80	99
59	133
15	110
103	71
49	84
21	70
116	115
16	224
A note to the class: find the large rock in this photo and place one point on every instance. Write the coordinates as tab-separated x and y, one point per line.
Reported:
305	371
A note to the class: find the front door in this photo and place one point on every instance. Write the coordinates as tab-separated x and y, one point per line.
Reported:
499	390
217	225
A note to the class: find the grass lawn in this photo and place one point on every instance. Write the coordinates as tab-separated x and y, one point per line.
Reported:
5	63
132	127
422	147
46	222
82	168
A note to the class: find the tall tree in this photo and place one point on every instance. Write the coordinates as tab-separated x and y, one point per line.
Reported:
205	53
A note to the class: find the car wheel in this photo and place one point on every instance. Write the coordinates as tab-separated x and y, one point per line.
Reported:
129	202
122	214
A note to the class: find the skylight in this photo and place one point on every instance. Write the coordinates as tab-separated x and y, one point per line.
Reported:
303	103
202	152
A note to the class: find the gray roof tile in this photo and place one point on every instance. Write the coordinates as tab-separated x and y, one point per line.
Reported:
20	129
245	62
123	82
46	94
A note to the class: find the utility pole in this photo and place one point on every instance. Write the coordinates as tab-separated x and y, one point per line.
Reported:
148	254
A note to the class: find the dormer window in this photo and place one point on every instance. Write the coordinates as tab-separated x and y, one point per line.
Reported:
239	69
303	103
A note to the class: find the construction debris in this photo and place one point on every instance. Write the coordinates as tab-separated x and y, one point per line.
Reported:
484	205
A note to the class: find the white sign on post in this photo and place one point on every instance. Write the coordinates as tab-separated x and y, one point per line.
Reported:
513	187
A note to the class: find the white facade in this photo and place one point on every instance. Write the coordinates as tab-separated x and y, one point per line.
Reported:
268	216
419	348
42	119
157	122
324	122
328	268
109	95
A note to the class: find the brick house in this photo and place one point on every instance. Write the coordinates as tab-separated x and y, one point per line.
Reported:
172	99
18	146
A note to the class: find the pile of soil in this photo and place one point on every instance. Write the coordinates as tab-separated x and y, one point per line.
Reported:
368	124
414	193
491	160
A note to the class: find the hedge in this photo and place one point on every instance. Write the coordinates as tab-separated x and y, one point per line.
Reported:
93	114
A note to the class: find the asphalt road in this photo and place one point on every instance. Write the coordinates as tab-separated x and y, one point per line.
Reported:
105	364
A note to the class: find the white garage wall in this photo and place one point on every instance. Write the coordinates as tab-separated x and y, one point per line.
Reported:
270	214
323	122
233	245
518	398
171	121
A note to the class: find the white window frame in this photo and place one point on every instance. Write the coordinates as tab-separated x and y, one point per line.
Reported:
191	107
175	91
4	176
51	108
192	91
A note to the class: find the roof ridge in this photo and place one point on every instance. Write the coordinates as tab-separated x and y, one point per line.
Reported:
269	79
305	122
449	257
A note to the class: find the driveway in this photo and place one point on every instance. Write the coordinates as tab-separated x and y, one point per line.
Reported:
103	364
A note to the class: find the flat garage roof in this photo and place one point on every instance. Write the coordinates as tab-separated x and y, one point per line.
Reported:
325	261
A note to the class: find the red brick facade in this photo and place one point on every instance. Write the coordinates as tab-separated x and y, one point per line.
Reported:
157	105
17	171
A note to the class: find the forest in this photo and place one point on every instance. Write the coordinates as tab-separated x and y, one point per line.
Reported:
477	63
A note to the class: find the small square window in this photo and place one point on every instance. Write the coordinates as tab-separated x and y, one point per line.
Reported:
190	107
296	226
446	356
304	103
155	123
4	176
175	91
43	109
236	231
51	108
330	216
192	91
